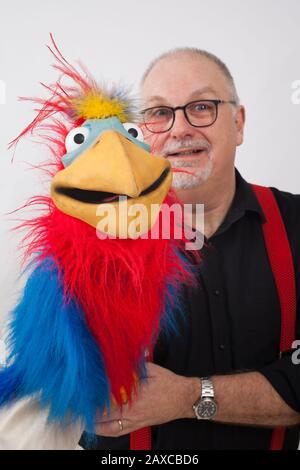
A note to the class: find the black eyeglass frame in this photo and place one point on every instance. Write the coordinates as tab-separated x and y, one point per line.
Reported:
215	102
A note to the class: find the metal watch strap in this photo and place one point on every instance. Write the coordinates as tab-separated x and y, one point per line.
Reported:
207	388
206	406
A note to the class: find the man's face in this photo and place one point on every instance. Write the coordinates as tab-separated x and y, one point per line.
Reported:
200	152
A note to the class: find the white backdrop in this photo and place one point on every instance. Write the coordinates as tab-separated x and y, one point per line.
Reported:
258	39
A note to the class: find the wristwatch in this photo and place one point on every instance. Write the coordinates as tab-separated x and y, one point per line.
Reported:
206	406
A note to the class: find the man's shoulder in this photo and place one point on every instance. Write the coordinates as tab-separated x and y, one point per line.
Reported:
289	206
289	203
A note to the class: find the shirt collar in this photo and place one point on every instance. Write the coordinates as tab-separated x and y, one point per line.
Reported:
244	201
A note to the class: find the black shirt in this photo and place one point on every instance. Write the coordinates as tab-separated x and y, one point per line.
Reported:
232	325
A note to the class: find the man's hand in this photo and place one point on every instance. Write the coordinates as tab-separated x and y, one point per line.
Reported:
162	397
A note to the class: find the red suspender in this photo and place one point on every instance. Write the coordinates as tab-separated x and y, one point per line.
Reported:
142	438
281	260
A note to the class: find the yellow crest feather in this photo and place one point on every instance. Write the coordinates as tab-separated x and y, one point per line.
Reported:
98	106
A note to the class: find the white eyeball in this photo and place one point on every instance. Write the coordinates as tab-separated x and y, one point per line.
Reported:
134	130
76	138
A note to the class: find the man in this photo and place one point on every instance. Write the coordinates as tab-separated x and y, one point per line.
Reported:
232	330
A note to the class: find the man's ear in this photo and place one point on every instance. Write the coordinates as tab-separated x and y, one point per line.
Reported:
240	118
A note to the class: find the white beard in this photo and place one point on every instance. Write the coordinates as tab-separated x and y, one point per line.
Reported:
201	173
200	166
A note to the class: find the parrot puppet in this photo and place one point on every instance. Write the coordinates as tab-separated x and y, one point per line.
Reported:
95	299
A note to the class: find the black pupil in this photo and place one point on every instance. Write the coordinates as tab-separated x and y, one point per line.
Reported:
133	132
78	138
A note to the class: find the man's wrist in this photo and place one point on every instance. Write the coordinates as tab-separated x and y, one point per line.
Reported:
193	393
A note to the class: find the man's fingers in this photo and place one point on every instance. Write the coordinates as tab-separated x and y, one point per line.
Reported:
113	428
113	415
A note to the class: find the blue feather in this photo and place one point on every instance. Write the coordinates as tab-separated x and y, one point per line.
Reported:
53	354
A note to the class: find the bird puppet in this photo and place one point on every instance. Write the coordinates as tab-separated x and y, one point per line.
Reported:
97	294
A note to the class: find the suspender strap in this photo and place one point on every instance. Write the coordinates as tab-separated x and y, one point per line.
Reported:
140	439
281	260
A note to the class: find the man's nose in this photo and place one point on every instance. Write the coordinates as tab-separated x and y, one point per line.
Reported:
181	127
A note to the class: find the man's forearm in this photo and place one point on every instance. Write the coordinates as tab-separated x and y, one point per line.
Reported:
243	399
250	399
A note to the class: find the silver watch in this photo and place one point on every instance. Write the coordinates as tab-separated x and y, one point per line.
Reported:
206	406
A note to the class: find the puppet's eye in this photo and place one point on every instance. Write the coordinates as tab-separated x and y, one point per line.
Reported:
134	130
76	138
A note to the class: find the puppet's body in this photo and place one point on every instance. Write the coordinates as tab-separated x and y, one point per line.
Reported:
92	307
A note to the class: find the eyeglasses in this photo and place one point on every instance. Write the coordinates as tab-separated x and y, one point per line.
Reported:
202	113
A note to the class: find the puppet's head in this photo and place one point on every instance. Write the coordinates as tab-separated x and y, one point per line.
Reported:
105	161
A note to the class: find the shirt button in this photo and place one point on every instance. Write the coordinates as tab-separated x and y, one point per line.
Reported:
217	292
222	347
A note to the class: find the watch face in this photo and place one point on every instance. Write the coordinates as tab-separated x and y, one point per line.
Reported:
206	409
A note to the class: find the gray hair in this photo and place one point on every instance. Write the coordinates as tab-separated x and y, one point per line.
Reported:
198	53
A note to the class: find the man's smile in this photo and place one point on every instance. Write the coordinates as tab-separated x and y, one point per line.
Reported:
187	153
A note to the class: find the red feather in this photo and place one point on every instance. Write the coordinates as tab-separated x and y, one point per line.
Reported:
120	284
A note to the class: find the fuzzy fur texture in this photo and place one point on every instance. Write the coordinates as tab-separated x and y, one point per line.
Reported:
91	308
53	355
121	285
89	311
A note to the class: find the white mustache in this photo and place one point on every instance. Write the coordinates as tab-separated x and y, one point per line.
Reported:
178	145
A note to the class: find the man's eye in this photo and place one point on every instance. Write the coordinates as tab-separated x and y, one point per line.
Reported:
201	107
163	112
159	113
